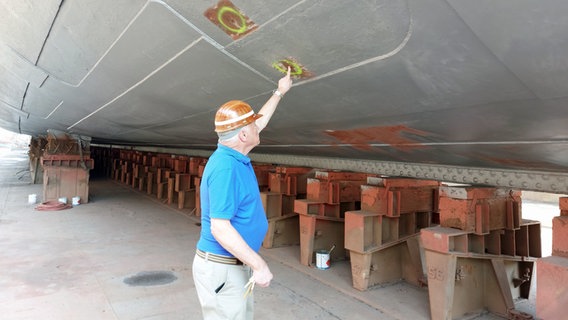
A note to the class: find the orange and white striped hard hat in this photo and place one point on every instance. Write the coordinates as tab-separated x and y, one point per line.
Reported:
234	114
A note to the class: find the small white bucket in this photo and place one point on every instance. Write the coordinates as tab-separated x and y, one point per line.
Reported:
76	200
62	200
322	259
32	198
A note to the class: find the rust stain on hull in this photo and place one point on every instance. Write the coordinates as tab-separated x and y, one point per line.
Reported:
297	70
230	19
395	136
515	163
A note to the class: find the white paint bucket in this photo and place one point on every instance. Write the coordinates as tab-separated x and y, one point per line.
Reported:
76	200
62	200
322	259
32	198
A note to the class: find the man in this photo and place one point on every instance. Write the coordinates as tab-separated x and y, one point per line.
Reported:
233	221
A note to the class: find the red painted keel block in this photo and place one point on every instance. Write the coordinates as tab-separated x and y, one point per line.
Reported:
444	240
563	206
552	291
560	236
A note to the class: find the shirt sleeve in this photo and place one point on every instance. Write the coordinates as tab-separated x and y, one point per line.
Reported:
223	194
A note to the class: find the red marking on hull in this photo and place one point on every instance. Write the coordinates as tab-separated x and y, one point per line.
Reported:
391	135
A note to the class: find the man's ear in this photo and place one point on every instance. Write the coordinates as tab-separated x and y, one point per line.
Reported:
243	134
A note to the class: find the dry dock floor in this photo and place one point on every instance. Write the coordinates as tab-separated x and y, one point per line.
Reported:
72	264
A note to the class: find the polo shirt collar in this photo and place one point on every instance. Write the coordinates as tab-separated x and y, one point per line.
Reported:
233	153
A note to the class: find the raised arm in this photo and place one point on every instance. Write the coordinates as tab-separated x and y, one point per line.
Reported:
284	84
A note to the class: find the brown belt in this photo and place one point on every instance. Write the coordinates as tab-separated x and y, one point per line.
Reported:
218	258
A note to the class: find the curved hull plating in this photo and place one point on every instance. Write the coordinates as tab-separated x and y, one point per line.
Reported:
456	83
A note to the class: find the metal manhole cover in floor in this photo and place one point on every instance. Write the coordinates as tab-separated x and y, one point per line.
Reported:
150	278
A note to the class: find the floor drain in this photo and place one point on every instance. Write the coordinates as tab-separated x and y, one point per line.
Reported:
150	278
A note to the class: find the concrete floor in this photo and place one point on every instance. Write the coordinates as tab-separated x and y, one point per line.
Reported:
72	264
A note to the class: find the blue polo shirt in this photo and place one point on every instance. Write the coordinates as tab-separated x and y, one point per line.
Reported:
229	190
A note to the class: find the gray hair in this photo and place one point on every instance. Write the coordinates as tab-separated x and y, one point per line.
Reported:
229	135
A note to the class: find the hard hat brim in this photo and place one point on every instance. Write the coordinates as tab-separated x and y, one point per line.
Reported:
237	124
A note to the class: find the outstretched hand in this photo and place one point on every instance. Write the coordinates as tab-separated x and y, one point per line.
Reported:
267	110
285	83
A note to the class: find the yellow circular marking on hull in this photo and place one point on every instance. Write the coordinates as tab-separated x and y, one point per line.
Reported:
224	10
296	69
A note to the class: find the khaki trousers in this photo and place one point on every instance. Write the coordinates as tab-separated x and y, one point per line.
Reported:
220	288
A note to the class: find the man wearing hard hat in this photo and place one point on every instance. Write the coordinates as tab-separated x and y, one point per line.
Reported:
227	265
